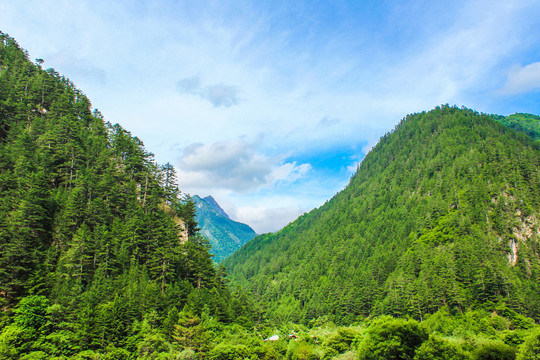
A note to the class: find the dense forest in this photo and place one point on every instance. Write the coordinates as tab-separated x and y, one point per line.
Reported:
442	212
526	123
98	246
101	256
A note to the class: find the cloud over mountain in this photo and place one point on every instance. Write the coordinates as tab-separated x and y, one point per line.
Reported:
236	166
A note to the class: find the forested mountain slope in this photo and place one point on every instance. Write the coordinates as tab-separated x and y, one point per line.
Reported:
97	249
224	234
443	211
528	124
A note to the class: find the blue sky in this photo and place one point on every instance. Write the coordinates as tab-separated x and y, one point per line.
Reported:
269	105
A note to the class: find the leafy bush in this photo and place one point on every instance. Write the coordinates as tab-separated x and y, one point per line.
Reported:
31	312
187	354
436	348
494	350
530	349
87	355
301	351
391	339
35	355
342	341
225	351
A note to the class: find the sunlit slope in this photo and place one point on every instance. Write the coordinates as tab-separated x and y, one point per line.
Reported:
443	211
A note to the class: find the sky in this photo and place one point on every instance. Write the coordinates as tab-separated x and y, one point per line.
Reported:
269	106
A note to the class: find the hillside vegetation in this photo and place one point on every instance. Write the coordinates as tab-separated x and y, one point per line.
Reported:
101	258
442	212
224	234
98	247
528	124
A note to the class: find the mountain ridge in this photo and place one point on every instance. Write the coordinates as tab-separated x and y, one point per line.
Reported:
432	186
213	203
224	234
101	257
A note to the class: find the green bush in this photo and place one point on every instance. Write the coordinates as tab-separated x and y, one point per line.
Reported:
436	348
530	349
187	354
494	350
301	350
391	339
10	337
151	346
225	351
342	340
35	355
87	355
31	312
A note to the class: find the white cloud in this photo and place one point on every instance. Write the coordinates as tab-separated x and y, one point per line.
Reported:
523	79
266	219
233	165
257	77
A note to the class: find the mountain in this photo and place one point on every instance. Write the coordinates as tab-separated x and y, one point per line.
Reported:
528	124
101	259
225	235
99	255
444	211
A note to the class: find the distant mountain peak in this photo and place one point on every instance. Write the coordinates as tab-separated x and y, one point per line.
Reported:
214	205
224	234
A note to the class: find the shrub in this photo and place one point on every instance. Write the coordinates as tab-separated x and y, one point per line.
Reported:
187	354
391	339
530	349
225	351
342	340
31	312
437	348
494	350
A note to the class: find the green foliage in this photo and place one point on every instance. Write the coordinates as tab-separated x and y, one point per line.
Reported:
442	212
187	354
190	333
494	350
340	342
31	312
301	350
34	355
11	338
229	352
436	348
530	349
526	123
389	338
98	243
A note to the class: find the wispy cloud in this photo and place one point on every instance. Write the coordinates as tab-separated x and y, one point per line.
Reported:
522	79
78	68
289	81
189	85
217	95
